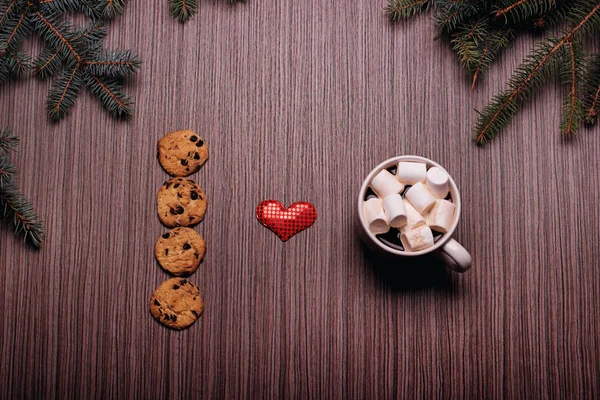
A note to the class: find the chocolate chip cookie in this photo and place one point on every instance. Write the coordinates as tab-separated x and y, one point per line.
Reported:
180	251
181	202
182	153
176	303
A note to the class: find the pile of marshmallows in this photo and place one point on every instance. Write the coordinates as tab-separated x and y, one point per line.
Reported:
422	209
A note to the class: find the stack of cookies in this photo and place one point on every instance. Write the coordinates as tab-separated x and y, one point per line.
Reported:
177	303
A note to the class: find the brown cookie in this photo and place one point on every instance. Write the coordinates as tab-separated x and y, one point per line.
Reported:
182	153
181	202
176	303
180	251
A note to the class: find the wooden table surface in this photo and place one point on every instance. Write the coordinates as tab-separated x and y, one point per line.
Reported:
299	101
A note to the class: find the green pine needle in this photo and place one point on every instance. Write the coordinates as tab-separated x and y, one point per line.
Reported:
591	89
479	30
113	64
8	141
7	171
110	94
63	92
71	56
399	9
15	209
183	9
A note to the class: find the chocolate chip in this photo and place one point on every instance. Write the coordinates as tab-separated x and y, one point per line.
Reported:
179	195
166	252
193	138
201	197
187	246
200	143
180	179
173	211
194	195
183	281
167	184
196	156
173	317
176	185
180	210
190	219
196	255
195	314
184	162
166	235
166	317
187	169
156	302
175	287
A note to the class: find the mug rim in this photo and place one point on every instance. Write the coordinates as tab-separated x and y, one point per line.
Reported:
386	164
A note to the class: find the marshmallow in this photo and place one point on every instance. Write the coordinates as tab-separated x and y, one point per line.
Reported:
420	197
410	173
437	182
393	206
441	216
385	184
375	217
413	218
417	239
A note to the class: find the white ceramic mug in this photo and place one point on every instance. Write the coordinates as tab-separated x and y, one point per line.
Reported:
457	257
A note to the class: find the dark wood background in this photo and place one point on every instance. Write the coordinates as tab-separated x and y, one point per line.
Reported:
298	100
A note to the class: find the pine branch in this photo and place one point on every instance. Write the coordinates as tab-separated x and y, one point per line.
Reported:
112	8
571	73
399	9
78	54
496	42
8	141
113	64
592	89
17	62
5	12
14	31
521	10
183	9
16	209
48	63
57	34
63	93
528	77
110	94
7	171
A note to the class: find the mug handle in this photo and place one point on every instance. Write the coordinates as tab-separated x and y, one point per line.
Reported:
456	256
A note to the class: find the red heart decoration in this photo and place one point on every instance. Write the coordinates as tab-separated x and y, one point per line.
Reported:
286	222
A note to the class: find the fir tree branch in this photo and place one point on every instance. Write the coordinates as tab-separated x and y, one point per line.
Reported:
19	25
48	63
398	9
113	64
51	30
497	42
15	208
113	8
109	93
63	93
8	141
183	9
497	114
571	74
7	171
6	12
505	10
592	89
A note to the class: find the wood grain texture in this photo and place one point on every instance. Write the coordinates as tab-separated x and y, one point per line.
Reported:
298	101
